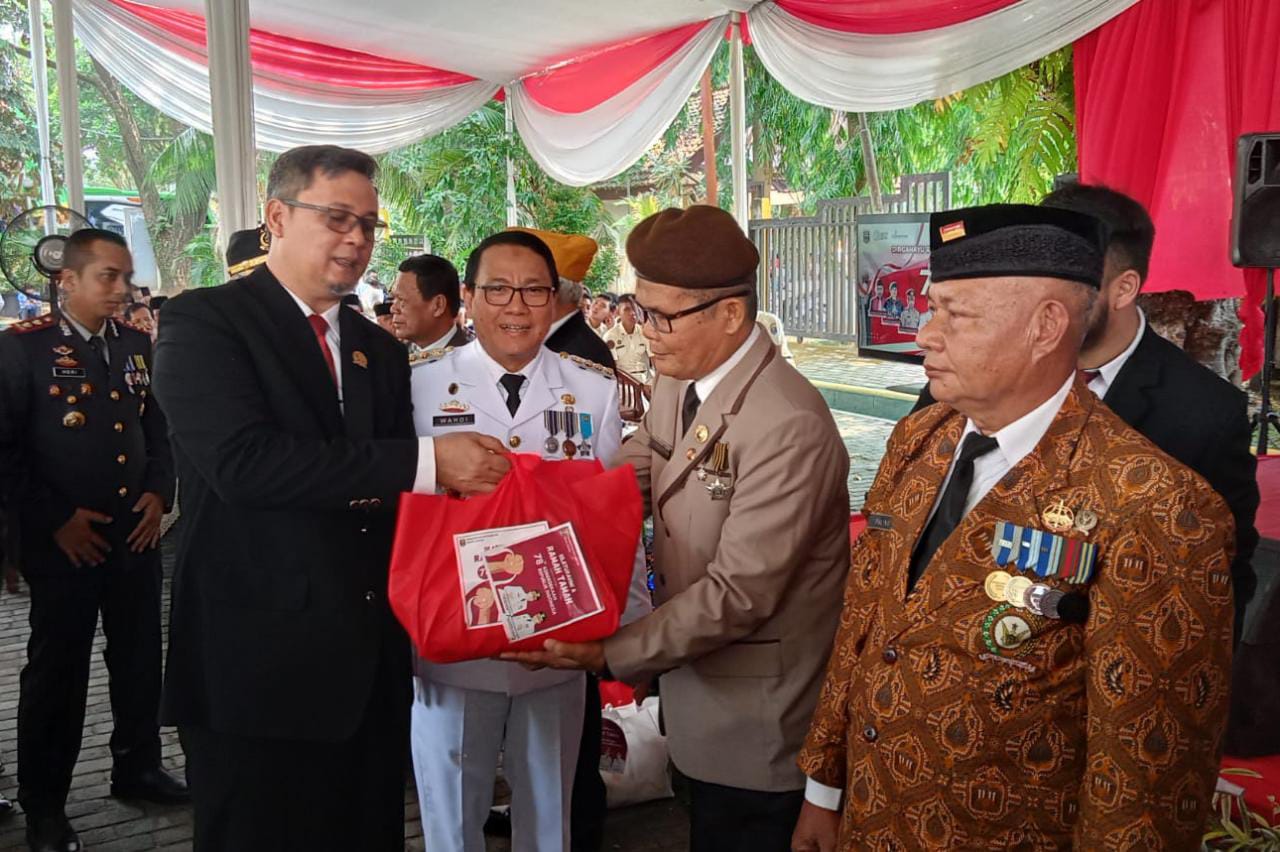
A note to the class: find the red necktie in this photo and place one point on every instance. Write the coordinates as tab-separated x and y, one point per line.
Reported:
321	328
1089	375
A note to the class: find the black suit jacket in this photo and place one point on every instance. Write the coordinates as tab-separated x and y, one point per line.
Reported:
577	338
1201	420
279	615
76	432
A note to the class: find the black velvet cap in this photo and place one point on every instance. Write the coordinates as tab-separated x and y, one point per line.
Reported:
247	249
1015	241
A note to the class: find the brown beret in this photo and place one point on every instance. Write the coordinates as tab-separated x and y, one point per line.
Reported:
699	248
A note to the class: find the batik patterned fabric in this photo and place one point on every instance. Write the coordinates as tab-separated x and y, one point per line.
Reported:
955	721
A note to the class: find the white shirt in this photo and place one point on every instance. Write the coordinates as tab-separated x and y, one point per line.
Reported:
87	334
1015	442
496	371
424	481
1107	372
708	383
444	341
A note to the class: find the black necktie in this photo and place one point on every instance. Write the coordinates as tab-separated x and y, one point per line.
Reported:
951	506
512	382
690	408
99	347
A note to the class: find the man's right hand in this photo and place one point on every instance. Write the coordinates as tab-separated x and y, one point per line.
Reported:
470	463
79	542
816	830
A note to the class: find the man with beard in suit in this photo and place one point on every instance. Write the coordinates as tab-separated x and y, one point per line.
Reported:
292	427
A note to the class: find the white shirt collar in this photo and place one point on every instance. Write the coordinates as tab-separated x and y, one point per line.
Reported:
330	315
496	371
444	341
707	383
84	332
1019	438
1107	372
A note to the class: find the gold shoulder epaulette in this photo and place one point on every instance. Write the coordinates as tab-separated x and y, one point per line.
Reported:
586	364
426	356
43	321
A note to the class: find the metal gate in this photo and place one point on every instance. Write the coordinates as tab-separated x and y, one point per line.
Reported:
808	264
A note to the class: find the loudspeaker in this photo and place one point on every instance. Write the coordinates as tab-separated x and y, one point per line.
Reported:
1255	208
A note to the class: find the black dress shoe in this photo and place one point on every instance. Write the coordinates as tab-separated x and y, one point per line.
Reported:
51	833
151	785
499	822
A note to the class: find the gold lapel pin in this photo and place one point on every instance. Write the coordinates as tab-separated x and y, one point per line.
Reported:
1058	517
358	358
701	433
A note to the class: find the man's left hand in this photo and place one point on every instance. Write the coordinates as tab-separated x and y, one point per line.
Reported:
586	656
146	534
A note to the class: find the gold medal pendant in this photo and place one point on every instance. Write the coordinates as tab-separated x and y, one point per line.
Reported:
1058	517
1015	591
995	585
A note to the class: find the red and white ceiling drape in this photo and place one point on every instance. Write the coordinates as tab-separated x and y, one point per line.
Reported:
591	85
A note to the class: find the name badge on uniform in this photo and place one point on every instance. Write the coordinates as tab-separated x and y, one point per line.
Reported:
69	372
453	420
879	522
1044	553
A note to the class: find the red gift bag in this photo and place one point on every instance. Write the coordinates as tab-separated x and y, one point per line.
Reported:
604	508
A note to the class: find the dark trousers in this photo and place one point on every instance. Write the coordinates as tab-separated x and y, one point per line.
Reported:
729	819
282	795
55	682
586	818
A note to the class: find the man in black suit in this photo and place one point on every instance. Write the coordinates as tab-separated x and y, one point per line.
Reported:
288	676
1179	405
569	330
85	469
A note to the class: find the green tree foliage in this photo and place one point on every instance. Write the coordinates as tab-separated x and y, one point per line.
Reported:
452	188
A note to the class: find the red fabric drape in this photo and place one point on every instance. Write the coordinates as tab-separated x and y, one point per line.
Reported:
1154	94
310	61
879	17
591	77
1252	31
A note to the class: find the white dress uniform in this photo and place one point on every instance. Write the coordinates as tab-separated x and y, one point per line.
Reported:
630	351
464	713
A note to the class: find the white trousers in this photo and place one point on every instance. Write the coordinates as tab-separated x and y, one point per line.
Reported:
457	734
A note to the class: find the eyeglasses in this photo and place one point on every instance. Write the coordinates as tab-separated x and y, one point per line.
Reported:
502	294
342	221
661	322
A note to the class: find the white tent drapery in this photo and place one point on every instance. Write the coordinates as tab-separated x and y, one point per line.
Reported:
591	85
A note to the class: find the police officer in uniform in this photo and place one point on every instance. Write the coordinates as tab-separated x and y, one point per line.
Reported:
247	250
508	385
86	470
627	340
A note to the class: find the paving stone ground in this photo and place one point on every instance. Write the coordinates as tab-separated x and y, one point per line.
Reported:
108	825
